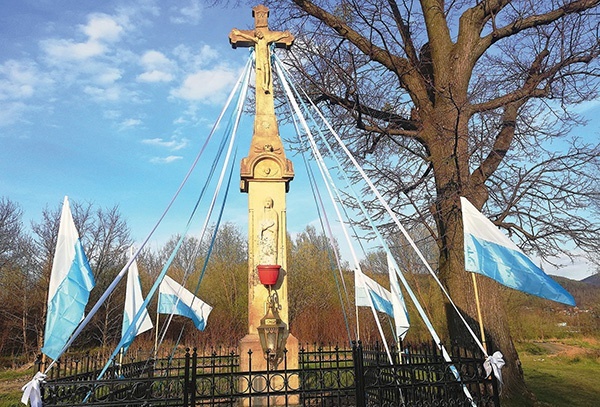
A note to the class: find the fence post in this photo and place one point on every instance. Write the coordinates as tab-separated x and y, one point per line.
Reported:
359	375
194	377
186	378
495	391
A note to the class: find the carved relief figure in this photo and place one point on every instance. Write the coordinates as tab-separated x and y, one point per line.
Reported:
269	228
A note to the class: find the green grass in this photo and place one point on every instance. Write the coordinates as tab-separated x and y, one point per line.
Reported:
568	377
11	381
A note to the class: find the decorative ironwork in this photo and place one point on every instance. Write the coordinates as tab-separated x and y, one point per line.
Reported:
327	376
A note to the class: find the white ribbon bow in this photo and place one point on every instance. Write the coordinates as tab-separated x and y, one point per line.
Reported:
494	363
32	392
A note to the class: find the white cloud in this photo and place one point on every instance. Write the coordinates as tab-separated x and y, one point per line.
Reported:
102	27
11	113
172	144
130	123
206	85
165	160
158	68
155	76
190	14
108	76
100	30
111	93
91	60
194	60
156	60
59	50
111	114
19	80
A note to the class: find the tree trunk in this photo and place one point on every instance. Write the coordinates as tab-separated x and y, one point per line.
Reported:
24	327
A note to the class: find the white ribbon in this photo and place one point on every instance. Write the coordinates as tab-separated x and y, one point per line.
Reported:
32	392
494	363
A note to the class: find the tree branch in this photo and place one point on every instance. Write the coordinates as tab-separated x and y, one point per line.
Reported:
396	121
535	77
535	21
500	148
400	66
409	46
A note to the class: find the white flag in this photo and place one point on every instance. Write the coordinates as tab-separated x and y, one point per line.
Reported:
175	299
381	298
398	305
133	302
71	281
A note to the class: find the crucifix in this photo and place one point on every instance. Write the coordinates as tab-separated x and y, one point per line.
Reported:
265	138
261	38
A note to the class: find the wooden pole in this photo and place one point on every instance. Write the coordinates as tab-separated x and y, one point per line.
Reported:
481	330
121	362
156	334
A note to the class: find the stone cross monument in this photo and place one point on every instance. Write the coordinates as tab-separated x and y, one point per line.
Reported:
265	176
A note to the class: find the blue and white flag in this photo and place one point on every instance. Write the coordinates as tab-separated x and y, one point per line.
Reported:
71	281
401	320
489	252
380	297
133	302
175	299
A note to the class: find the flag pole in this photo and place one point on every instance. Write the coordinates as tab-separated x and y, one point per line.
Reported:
477	303
120	362
156	335
357	323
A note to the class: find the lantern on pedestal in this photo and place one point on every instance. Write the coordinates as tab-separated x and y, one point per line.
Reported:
271	332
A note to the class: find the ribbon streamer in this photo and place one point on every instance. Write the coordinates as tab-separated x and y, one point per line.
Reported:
32	391
494	363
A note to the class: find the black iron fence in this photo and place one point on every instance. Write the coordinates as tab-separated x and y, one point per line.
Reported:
420	376
88	365
326	376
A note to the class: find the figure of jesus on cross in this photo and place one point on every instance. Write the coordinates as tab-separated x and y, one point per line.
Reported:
261	38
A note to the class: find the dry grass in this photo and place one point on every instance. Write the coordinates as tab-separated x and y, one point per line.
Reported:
11	382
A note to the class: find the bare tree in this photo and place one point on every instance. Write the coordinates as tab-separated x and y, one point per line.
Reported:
18	281
11	230
446	99
107	241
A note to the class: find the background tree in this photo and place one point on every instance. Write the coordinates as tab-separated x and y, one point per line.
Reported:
18	280
446	99
316	290
225	286
107	242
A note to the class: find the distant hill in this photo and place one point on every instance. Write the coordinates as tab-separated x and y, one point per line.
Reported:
593	280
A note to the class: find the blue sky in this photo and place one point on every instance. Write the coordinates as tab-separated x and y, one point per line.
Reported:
110	101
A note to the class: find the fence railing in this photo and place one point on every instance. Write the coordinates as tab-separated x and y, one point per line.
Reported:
326	376
421	376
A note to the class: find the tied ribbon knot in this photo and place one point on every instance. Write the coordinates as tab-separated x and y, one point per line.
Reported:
494	363
32	392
